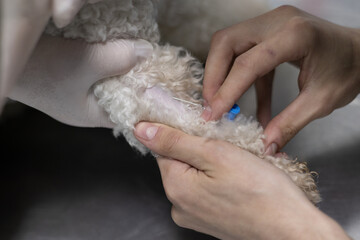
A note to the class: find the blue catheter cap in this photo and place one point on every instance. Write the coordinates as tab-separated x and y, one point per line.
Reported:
234	111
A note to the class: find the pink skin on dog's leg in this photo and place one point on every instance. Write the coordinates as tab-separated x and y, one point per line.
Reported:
164	99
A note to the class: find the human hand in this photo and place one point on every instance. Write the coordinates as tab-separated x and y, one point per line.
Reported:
23	21
222	190
60	74
328	56
63	11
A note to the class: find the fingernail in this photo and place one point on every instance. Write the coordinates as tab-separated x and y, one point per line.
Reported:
206	115
143	48
146	131
271	150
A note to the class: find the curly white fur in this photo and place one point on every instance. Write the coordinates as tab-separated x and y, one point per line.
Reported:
147	91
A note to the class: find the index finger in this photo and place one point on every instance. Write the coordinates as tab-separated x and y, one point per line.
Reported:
225	44
254	64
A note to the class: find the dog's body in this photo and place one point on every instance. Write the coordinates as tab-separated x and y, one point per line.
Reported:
147	91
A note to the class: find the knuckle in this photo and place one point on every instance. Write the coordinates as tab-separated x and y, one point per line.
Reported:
301	29
288	10
220	37
298	23
247	67
241	62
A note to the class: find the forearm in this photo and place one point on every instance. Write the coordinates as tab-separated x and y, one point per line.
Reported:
23	22
327	228
311	223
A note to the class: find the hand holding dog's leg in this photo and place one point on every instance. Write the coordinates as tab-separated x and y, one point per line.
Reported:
219	189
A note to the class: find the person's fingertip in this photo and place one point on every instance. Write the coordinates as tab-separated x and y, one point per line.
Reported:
271	150
206	114
65	10
143	48
146	131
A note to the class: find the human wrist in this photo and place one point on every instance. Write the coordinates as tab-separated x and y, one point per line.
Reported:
317	225
329	229
301	220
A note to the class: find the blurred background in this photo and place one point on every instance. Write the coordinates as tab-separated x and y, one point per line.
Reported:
61	182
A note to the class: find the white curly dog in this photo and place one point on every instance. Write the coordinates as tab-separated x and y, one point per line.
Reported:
146	93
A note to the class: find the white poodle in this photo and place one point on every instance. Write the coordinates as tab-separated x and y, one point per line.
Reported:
147	92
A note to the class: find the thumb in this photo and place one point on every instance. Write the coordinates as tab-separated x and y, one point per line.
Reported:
65	10
117	57
172	143
282	128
